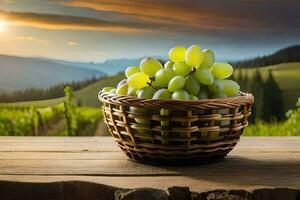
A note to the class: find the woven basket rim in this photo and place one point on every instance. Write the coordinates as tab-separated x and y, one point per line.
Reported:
229	102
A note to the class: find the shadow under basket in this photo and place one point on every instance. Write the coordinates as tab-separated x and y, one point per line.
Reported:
171	131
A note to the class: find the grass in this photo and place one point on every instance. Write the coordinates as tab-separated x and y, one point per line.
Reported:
272	129
289	127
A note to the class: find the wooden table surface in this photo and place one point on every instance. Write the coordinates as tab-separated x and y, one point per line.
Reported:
255	162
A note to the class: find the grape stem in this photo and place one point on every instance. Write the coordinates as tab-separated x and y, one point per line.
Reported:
192	71
151	80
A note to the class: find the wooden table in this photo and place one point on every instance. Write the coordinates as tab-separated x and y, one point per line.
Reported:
255	162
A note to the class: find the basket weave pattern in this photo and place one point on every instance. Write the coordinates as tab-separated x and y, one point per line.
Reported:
152	130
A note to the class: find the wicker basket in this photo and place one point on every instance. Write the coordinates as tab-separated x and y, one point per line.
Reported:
150	130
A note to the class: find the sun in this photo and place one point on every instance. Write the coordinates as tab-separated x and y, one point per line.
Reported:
2	25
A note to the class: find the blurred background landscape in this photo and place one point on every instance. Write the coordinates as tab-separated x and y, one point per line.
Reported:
87	44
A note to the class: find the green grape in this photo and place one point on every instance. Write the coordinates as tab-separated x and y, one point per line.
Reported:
146	92
138	80
216	87
155	85
169	65
121	83
231	88
132	91
176	83
181	95
164	112
219	96
144	111
164	123
122	90
204	93
150	66
225	111
181	68
113	91
192	85
107	89
177	54
163	76
131	70
204	76
194	56
193	97
162	94
222	70
209	58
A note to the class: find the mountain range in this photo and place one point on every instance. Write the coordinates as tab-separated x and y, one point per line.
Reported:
110	67
17	73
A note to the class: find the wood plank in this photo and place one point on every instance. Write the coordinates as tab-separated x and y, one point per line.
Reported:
198	184
117	155
270	143
76	144
226	168
53	138
255	162
234	158
98	161
57	144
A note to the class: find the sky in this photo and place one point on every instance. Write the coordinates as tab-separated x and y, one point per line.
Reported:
97	30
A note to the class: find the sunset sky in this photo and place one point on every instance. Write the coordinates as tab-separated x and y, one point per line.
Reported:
96	30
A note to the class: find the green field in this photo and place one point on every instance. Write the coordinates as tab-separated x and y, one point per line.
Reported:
287	76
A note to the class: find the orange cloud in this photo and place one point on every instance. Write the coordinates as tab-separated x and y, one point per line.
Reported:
62	22
165	16
185	14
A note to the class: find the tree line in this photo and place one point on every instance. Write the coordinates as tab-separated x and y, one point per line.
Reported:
33	94
290	54
268	105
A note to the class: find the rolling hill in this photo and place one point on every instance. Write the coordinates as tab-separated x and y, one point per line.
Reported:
285	55
110	67
18	73
86	96
287	76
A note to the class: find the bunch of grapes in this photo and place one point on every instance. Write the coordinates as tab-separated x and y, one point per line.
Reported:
190	74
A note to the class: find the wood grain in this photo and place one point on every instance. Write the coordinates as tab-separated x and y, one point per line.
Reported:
256	162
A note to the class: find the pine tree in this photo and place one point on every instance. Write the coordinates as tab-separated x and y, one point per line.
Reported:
246	81
272	100
256	88
239	79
